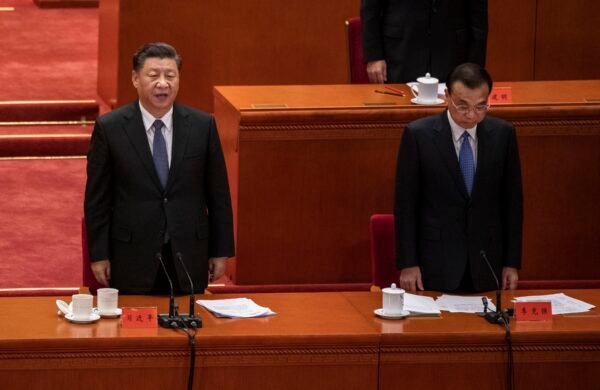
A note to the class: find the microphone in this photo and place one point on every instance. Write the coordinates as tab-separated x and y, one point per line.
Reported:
497	316
193	321
172	319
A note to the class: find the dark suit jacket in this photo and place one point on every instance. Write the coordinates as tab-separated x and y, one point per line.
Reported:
127	210
420	36
439	227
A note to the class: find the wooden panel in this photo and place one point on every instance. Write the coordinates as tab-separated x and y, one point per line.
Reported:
232	42
511	39
307	177
316	341
567	40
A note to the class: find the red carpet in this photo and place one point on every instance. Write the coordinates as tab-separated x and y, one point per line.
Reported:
41	141
47	54
42	206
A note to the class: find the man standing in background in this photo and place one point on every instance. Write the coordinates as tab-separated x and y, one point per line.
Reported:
405	39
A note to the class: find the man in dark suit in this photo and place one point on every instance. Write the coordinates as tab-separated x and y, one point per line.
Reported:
405	39
157	183
458	192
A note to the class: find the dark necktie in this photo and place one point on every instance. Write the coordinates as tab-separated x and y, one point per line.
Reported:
467	162
159	153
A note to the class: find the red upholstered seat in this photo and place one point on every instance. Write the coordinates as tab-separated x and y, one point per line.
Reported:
383	251
358	69
88	276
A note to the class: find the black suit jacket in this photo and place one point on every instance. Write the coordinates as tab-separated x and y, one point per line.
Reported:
420	36
439	227
127	210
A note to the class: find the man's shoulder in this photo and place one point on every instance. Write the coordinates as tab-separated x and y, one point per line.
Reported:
495	122
426	124
194	114
117	114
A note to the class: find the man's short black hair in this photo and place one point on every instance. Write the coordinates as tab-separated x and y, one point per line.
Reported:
155	50
471	75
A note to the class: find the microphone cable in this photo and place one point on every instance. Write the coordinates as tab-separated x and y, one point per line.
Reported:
510	373
192	343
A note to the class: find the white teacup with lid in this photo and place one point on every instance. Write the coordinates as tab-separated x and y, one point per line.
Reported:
393	300
427	89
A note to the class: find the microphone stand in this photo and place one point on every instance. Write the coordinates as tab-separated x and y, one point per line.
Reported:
191	320
172	319
499	316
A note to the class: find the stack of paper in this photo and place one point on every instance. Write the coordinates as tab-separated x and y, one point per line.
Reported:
458	304
561	303
235	308
419	305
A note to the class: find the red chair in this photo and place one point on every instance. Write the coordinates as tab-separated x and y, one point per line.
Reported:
89	280
383	251
358	69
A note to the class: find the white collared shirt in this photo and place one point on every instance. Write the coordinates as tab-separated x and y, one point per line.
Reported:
167	129
457	132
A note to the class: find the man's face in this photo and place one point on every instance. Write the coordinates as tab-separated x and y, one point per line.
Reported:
467	106
157	84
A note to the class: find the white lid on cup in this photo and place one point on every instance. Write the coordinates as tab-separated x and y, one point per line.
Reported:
428	79
393	290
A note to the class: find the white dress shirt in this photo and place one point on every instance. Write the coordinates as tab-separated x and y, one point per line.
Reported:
457	132
167	129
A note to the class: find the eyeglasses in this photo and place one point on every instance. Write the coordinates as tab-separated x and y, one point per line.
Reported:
464	109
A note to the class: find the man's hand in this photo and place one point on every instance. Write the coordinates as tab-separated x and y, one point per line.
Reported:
377	71
410	279
510	276
216	267
101	270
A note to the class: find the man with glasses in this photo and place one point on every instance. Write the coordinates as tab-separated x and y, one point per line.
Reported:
459	193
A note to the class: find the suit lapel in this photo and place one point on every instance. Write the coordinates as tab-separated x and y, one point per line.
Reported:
134	128
445	144
181	132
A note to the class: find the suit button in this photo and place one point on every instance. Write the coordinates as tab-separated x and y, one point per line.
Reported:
165	200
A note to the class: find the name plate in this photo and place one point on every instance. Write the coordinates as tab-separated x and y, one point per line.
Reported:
501	95
139	317
533	311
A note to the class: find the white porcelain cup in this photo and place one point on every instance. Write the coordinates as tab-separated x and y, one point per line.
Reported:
393	300
108	300
427	89
82	306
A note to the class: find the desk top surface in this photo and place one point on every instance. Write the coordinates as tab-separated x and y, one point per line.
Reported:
348	96
301	318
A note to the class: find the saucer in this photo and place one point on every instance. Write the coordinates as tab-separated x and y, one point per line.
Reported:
427	103
380	313
92	318
112	314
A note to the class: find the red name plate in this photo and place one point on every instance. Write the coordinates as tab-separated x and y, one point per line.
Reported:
139	317
533	311
501	95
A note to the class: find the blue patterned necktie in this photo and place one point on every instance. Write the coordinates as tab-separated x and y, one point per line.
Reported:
159	153
467	162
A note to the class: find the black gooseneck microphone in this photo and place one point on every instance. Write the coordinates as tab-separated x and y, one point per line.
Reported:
192	320
493	317
172	319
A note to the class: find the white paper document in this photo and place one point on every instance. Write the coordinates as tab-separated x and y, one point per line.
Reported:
420	305
459	304
235	308
561	303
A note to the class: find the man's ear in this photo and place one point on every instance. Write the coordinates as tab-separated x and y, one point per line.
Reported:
135	78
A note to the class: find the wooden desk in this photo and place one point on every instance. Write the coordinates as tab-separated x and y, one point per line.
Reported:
463	351
316	341
308	166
